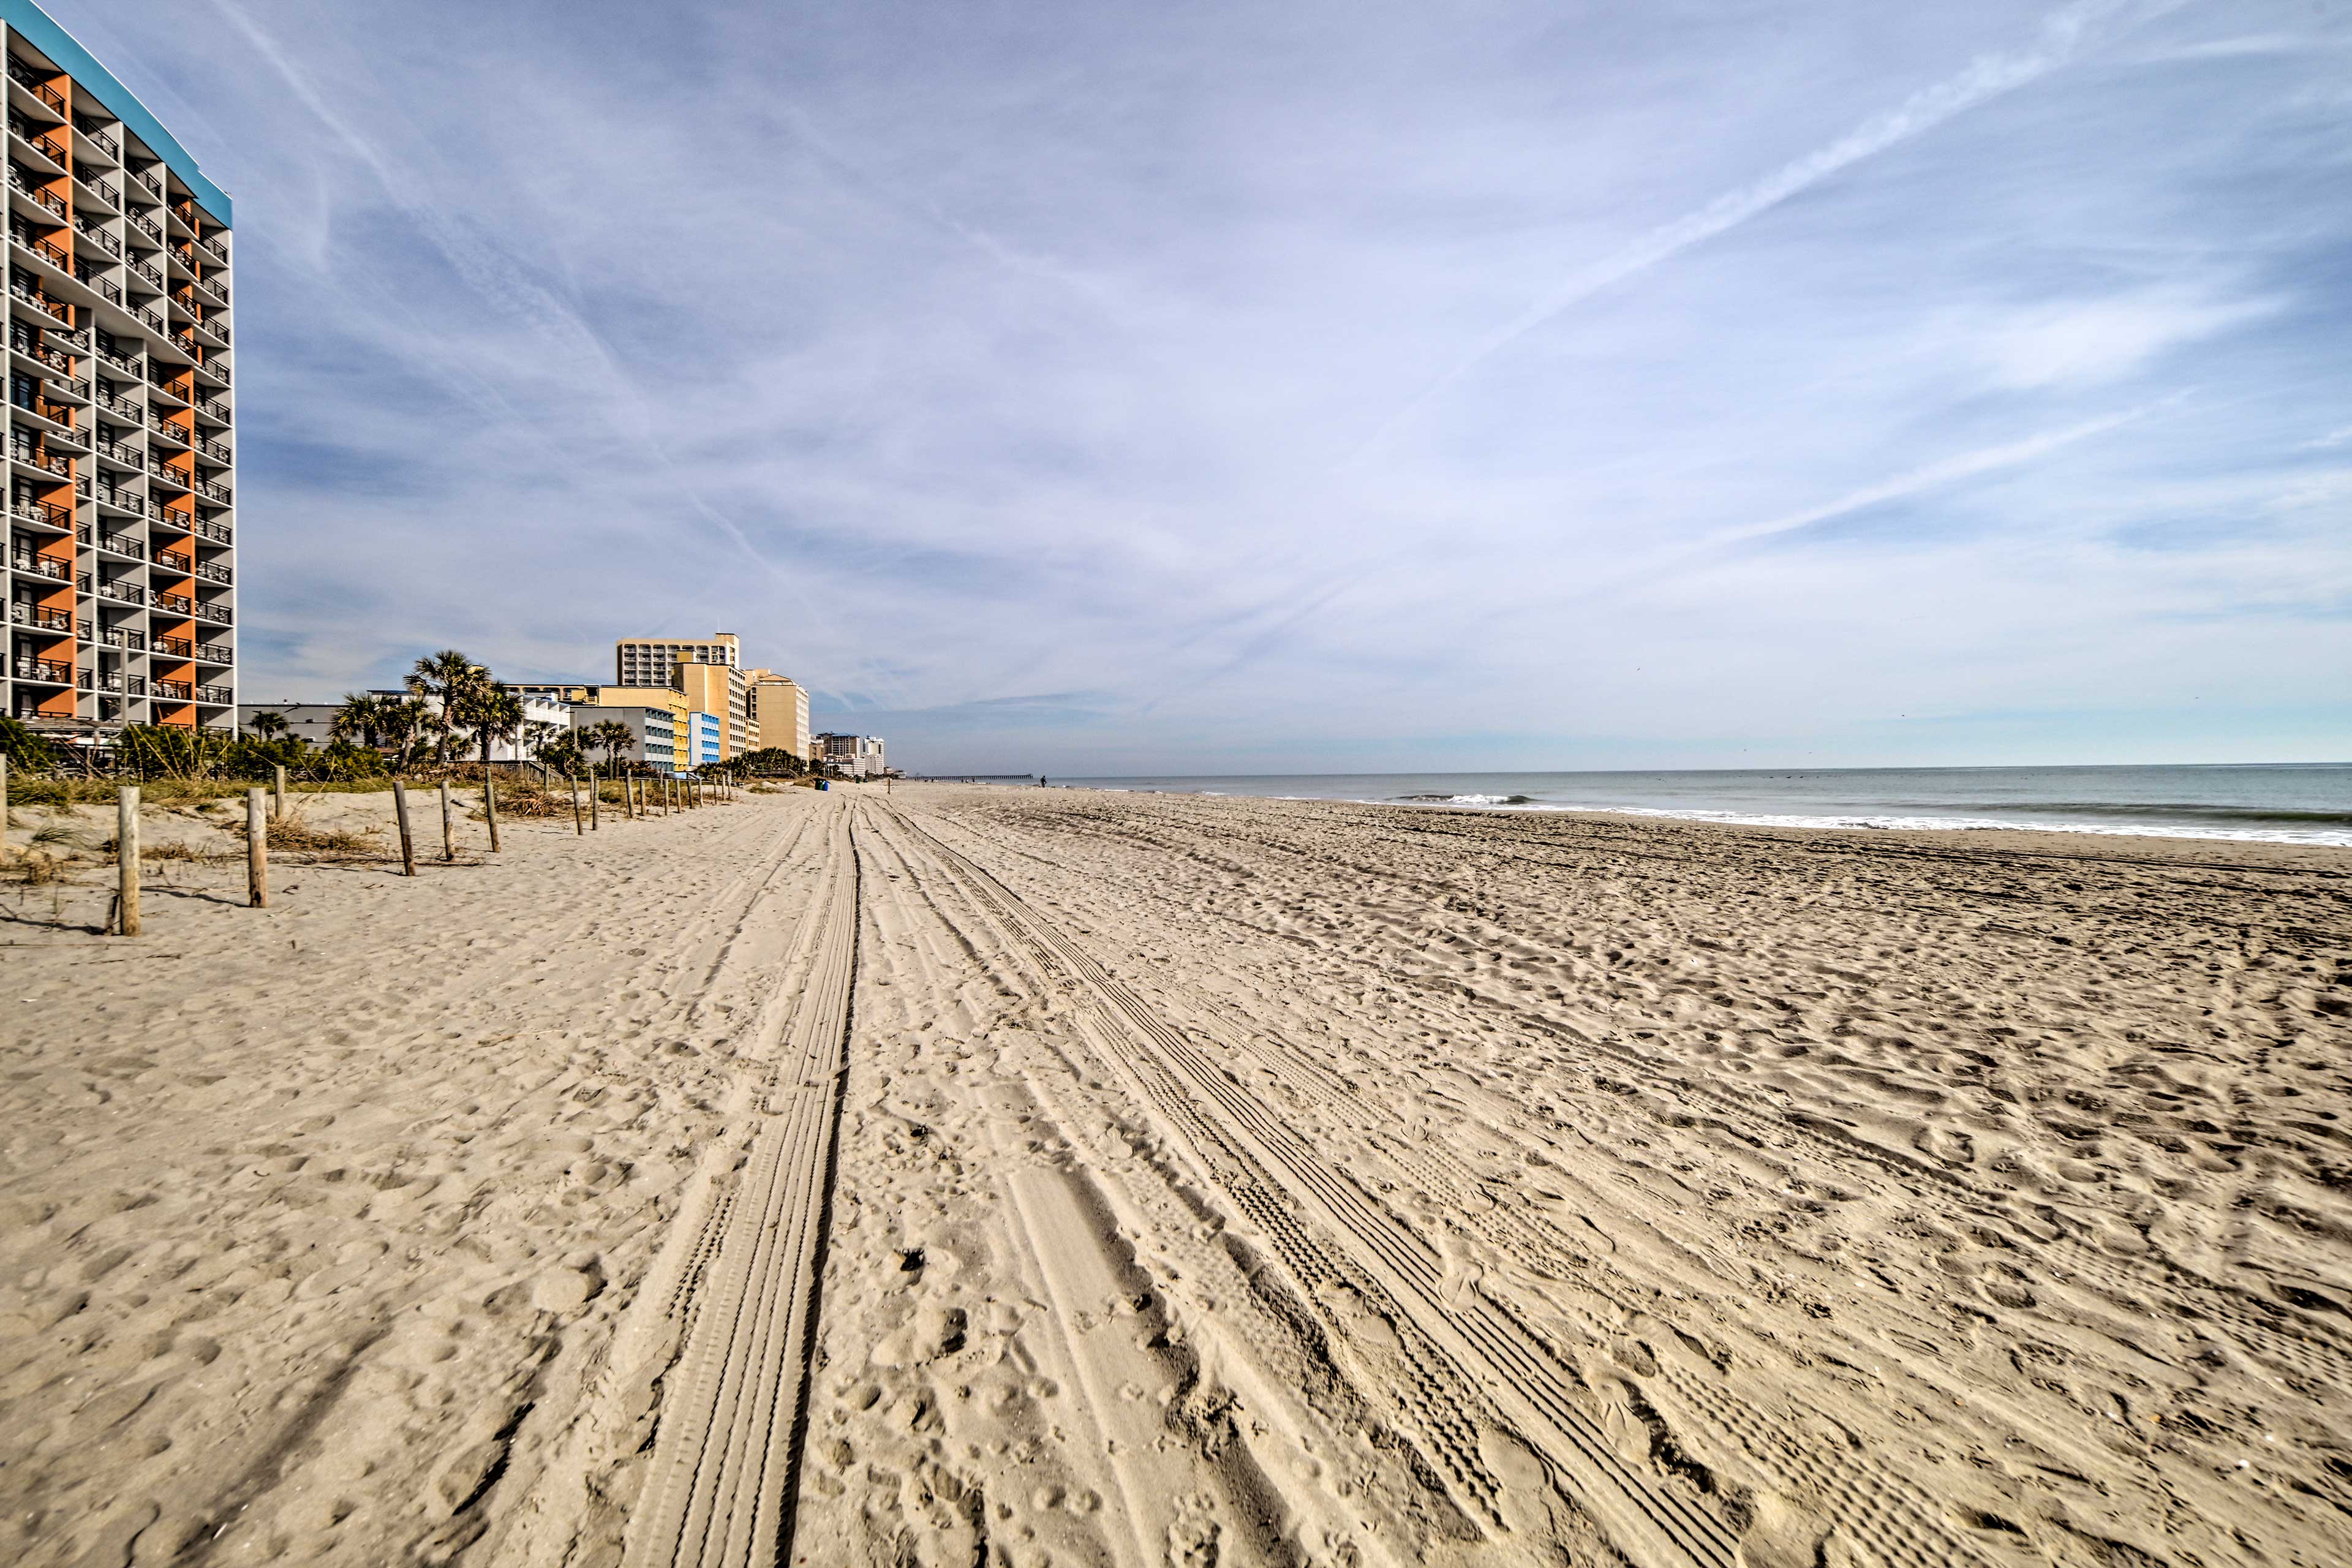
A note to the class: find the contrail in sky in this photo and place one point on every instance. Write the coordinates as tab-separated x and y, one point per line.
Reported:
1986	77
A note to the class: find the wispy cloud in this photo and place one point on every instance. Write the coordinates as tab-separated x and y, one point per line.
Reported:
2061	40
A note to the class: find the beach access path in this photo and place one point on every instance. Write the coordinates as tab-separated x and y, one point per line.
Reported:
968	1174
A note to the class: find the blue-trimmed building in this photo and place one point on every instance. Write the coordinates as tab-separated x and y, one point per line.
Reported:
120	572
704	732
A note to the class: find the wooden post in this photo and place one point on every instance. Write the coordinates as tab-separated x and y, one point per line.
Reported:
407	845
3	802
578	826
448	825
490	808
592	821
126	860
281	790
256	848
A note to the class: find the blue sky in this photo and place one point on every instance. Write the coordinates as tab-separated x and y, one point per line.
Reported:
1138	388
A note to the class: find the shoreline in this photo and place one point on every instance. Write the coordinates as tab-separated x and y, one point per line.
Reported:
2318	838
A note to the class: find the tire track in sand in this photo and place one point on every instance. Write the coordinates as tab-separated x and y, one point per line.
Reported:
725	1457
1497	1354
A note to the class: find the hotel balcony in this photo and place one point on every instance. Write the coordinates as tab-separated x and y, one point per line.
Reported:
40	566
46	141
38	457
28	91
48	671
92	231
40	513
25	615
31	294
94	130
23	183
109	198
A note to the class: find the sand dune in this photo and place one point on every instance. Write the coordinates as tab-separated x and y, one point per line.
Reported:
1029	1176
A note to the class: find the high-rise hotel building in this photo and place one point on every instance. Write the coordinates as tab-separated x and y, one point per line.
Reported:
121	574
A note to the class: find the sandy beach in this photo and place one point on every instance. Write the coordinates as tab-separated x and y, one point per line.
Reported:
969	1174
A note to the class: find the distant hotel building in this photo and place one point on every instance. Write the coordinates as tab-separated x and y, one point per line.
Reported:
120	576
652	661
780	709
859	756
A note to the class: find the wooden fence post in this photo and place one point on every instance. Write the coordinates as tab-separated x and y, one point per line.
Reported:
407	845
490	808
3	800
592	821
448	825
281	790
257	849
126	859
578	826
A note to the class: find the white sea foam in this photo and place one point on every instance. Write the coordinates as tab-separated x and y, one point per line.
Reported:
2321	836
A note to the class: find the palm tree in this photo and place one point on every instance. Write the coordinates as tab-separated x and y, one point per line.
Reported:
361	719
265	725
453	678
402	722
562	751
610	735
494	713
538	735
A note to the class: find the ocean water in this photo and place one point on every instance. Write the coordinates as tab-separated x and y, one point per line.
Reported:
2284	803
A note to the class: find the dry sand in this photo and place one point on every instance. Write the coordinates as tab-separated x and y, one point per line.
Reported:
1058	1176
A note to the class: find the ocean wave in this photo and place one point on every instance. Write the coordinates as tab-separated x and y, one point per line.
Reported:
1468	799
2319	838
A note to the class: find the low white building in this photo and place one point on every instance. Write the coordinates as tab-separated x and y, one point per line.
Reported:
860	756
315	722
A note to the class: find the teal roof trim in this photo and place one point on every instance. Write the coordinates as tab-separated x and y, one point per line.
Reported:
60	46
